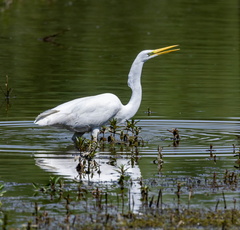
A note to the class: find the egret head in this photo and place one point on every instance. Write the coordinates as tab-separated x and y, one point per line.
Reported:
148	54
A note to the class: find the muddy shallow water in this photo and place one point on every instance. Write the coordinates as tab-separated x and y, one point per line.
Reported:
31	154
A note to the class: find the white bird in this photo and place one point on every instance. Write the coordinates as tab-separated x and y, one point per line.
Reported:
89	114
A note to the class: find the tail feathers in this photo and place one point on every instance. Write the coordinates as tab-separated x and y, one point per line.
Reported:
45	114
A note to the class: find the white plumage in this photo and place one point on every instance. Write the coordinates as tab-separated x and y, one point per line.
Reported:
88	114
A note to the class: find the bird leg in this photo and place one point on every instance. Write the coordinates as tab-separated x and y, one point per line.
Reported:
95	133
76	135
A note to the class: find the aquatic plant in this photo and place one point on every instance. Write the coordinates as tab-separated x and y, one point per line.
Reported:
85	145
128	135
122	169
152	218
6	89
90	206
237	162
3	215
4	220
87	165
230	178
176	137
144	194
159	199
103	131
175	133
55	183
112	161
131	126
88	149
149	112
1	192
1	189
159	161
178	192
211	150
134	139
54	186
113	127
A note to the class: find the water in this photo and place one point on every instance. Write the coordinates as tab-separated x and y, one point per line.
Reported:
53	52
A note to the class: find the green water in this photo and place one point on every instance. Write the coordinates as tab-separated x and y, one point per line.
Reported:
96	43
55	51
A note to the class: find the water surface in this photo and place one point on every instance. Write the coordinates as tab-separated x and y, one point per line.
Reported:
54	51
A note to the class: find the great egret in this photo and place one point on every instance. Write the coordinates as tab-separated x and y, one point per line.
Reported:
88	114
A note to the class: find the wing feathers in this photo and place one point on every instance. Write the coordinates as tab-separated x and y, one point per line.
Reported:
45	114
82	114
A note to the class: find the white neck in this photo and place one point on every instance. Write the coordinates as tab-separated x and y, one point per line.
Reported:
134	82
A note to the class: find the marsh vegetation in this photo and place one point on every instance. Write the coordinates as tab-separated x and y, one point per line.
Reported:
182	169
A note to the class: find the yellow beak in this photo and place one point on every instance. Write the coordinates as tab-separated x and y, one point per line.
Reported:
164	50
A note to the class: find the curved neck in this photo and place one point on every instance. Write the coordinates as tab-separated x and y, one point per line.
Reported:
133	105
134	82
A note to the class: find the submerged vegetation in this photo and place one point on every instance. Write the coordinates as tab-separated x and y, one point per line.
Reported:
161	202
92	206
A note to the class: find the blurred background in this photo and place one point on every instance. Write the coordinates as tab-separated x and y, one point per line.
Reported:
54	51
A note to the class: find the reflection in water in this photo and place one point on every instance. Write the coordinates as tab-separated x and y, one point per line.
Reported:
107	173
198	91
189	158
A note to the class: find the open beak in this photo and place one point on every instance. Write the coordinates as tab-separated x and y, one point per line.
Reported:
164	50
